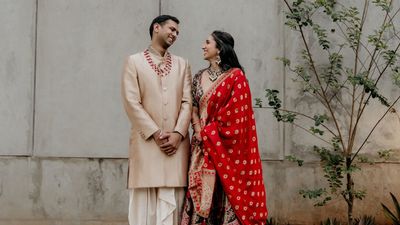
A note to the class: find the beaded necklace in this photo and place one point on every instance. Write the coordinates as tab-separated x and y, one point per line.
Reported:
213	74
164	68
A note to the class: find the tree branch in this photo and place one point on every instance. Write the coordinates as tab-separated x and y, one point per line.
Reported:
353	102
301	114
362	105
372	130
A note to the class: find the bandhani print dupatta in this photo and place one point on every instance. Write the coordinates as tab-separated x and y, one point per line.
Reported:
229	149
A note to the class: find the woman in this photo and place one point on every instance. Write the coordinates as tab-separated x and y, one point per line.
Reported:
225	175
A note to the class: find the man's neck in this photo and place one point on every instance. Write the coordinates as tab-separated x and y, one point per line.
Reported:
158	48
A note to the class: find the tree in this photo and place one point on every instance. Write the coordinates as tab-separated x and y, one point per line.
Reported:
345	91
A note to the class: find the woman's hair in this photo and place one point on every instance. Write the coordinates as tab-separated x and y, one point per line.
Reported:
225	44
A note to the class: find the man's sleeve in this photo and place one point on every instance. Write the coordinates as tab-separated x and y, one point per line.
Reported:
183	122
132	100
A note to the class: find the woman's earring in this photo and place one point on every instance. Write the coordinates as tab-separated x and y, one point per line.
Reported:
218	60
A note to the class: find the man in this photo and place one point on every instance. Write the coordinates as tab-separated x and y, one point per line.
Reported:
156	90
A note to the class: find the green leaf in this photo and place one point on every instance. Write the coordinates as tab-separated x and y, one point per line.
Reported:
376	40
364	159
384	4
396	205
315	130
390	57
273	100
385	154
351	169
322	37
323	202
312	194
300	15
360	194
332	164
316	194
276	103
391	215
285	61
335	143
258	102
330	74
369	86
320	119
396	76
292	158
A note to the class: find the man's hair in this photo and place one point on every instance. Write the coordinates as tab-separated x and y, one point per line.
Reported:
161	20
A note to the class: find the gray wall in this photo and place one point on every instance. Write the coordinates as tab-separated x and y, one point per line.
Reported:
63	131
17	71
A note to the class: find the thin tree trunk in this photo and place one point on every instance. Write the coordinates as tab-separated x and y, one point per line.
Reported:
350	194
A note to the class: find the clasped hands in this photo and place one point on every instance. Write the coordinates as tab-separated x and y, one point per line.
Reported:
167	141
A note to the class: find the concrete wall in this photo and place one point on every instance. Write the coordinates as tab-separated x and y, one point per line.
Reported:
69	190
63	132
18	25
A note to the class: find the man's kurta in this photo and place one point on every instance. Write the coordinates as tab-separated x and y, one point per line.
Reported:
153	103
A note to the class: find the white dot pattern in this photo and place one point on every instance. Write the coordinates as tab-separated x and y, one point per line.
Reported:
232	146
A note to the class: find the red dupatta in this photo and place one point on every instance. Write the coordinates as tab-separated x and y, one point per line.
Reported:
230	149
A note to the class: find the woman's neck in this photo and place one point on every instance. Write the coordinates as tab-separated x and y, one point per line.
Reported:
214	66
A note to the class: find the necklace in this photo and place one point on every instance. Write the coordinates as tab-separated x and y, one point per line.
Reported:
164	68
213	74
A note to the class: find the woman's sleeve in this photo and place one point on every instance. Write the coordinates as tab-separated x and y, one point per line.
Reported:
194	90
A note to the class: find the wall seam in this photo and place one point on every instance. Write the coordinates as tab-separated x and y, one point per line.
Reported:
284	82
34	79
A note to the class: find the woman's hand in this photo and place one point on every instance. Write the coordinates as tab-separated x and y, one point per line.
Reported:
197	135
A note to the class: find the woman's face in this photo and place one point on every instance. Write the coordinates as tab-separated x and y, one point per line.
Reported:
210	50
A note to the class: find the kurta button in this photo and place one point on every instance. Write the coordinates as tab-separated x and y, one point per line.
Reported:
164	89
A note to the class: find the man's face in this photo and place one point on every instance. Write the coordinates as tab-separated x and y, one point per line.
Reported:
167	33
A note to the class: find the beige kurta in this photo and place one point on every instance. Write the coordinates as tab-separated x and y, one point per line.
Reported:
153	102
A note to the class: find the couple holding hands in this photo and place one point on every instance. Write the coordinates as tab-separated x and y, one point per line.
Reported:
216	177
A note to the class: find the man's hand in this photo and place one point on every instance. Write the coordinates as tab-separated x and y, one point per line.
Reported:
171	146
160	137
